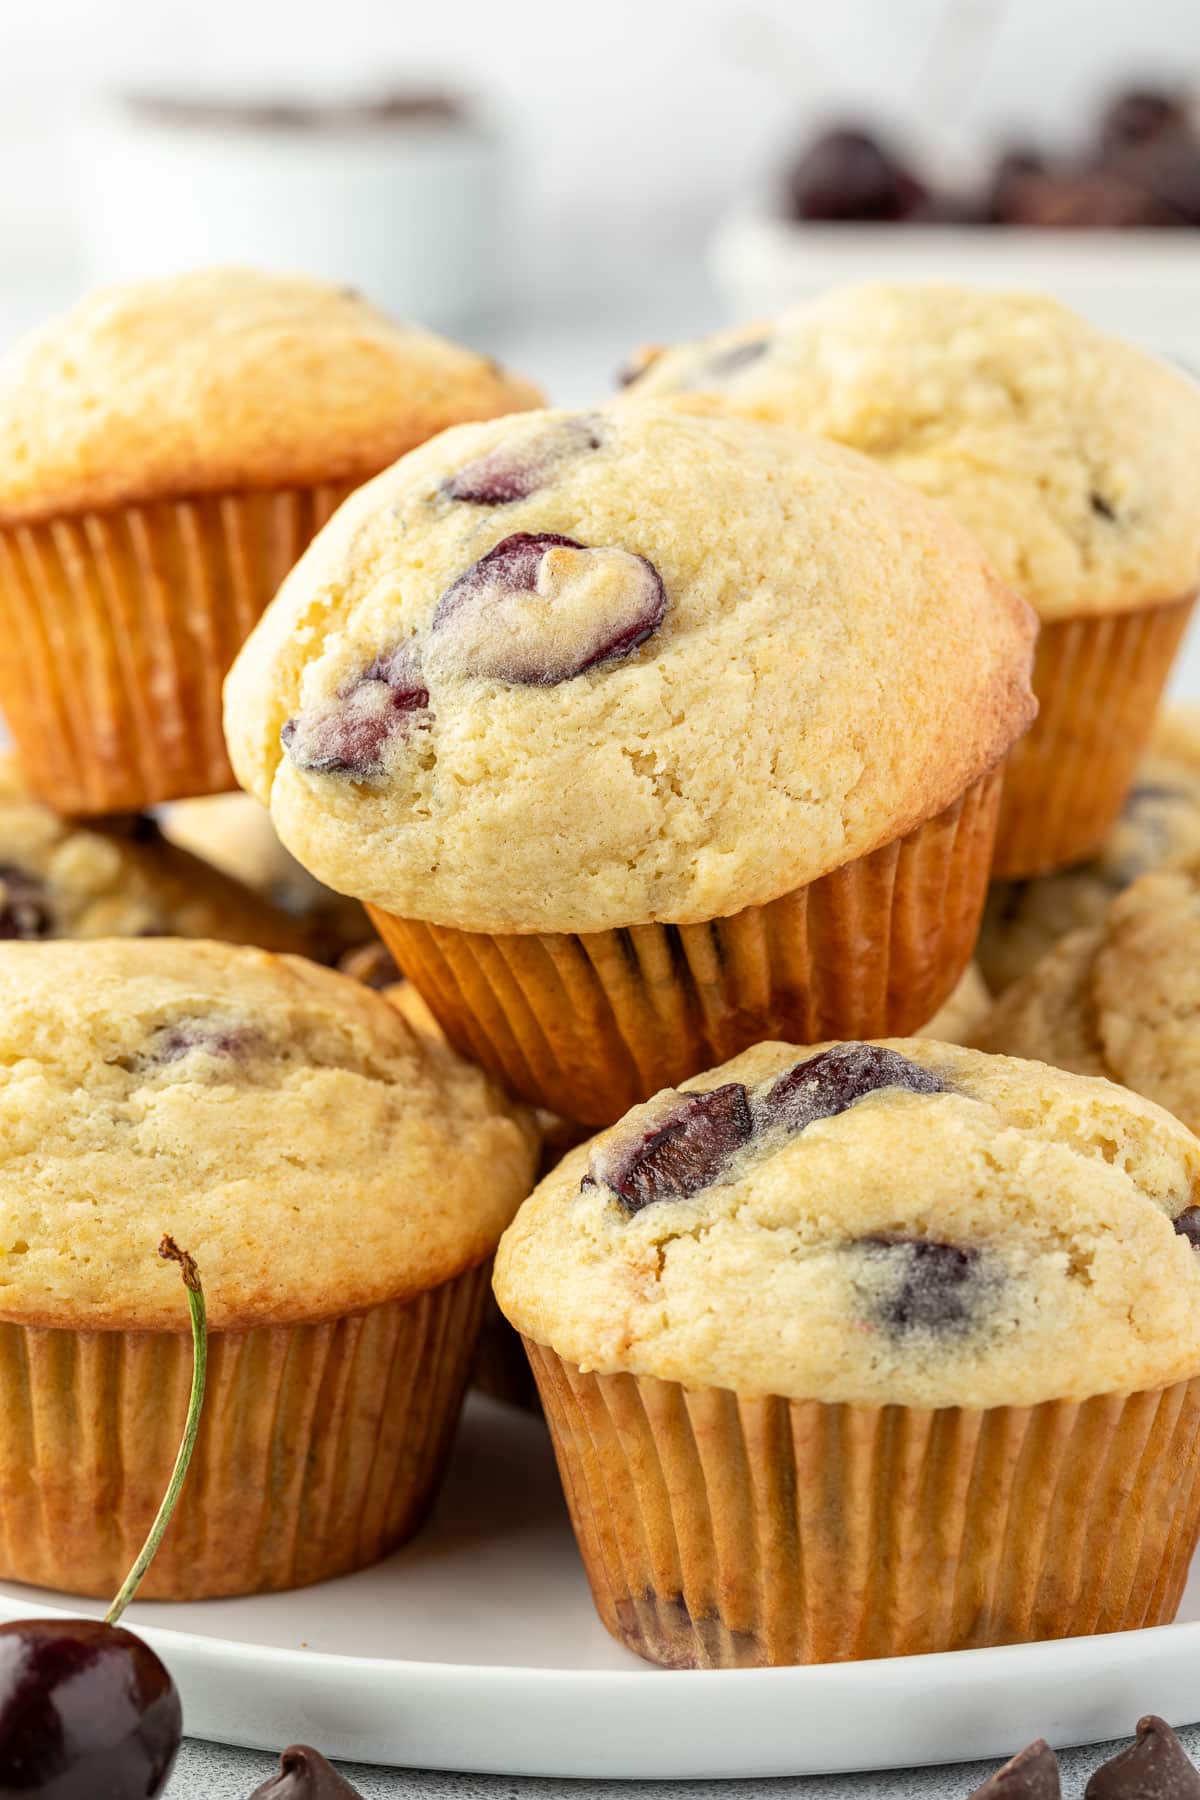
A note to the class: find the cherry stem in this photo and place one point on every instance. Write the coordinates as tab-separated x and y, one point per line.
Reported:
170	1252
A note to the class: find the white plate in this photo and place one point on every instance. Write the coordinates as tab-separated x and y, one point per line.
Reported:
476	1648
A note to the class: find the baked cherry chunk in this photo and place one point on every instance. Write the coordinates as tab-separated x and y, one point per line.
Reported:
833	1080
694	1137
688	1148
1187	1224
935	1286
214	1037
351	734
523	465
541	608
25	910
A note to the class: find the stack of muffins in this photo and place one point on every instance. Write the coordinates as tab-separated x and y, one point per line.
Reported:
671	748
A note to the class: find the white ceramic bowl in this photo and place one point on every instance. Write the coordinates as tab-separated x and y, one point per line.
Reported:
404	209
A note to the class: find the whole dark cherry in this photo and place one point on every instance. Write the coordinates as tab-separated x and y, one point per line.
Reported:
304	1774
847	173
87	1710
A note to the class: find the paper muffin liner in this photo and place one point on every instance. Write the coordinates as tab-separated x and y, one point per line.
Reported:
588	1025
321	1446
117	630
720	1532
1098	682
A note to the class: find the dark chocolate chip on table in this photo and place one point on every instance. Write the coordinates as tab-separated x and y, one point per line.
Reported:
304	1774
1032	1774
1154	1767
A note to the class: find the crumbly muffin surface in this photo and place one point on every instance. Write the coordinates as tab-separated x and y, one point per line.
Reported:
285	1125
1159	826
904	1223
60	879
1073	457
1122	998
225	378
570	672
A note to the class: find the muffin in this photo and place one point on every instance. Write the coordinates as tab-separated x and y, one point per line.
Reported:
1159	825
342	1185
963	1012
1073	457
868	1351
643	737
235	834
1121	998
59	880
167	449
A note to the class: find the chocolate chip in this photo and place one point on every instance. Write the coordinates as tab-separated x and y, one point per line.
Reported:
1154	1767
927	1286
1187	1224
541	608
831	1082
514	470
687	1149
25	910
352	734
1032	1774
304	1774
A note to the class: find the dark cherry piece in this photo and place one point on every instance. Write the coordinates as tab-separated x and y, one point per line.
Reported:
686	1151
173	1042
480	617
937	1287
1187	1224
1154	1767
848	174
1032	1774
831	1082
24	907
513	471
350	735
86	1709
304	1774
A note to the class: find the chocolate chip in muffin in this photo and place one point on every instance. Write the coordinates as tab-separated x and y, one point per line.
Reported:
926	1285
686	1150
1032	1774
831	1082
25	910
540	608
515	470
1154	1767
352	734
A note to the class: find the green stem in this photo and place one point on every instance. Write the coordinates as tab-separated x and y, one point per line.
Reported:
169	1250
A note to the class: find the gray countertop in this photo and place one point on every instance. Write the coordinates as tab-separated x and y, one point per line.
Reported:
210	1772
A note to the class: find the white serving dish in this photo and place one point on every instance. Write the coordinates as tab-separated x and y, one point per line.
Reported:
476	1648
1143	284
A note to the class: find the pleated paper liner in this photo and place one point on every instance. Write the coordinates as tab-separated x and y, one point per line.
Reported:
321	1446
1098	682
727	1533
117	630
586	1026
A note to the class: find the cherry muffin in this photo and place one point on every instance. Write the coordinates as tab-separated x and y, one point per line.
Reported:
121	879
643	737
1158	827
342	1184
872	1350
1121	998
1072	456
167	449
